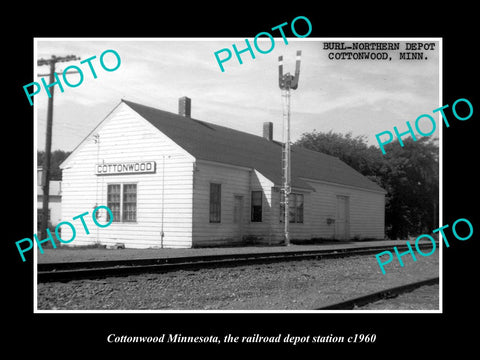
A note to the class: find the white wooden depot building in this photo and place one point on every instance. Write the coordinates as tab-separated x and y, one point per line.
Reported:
178	182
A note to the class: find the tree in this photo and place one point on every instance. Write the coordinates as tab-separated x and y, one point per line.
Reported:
57	157
411	178
409	174
352	150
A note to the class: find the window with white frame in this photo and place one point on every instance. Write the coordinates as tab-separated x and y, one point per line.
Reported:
215	202
256	208
122	201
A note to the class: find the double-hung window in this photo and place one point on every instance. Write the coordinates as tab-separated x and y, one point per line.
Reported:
215	202
256	209
122	201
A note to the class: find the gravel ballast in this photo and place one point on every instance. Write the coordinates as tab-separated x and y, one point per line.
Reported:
423	298
298	285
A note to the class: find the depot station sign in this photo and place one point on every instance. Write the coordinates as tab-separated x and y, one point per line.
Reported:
125	168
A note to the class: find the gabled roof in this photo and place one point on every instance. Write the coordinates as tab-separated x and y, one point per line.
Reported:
217	143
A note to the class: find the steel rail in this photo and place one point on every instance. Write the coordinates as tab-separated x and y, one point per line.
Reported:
379	295
66	271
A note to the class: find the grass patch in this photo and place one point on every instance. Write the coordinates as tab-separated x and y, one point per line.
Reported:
83	247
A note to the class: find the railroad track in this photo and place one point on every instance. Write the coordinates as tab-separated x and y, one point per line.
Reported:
66	271
379	295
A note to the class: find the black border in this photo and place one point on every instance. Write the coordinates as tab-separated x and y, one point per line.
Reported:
85	334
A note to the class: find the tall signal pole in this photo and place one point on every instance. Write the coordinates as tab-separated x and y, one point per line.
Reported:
286	83
48	142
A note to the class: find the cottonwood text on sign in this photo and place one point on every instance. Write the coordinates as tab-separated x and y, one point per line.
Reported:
125	168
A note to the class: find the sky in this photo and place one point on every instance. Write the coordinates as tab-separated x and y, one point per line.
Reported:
364	97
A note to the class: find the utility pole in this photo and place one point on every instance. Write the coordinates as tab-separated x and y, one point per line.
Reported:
286	83
48	142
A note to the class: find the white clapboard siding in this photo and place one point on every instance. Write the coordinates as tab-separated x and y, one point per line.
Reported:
234	181
125	136
366	215
365	209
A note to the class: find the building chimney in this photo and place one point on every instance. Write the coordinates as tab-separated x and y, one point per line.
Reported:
268	130
185	106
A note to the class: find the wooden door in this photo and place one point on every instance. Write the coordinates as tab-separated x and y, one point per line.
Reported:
342	218
238	215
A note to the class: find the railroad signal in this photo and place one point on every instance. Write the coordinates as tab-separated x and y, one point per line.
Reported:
286	83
